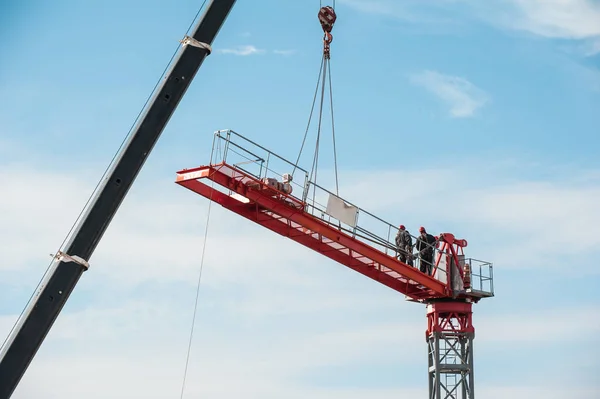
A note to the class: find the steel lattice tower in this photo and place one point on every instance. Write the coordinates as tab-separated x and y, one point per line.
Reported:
450	335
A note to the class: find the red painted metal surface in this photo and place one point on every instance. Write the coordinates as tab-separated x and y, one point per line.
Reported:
449	317
285	215
327	18
449	244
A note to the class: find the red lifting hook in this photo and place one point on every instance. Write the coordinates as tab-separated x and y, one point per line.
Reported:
327	18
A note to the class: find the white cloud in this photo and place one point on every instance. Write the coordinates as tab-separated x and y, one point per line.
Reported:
590	47
270	311
462	96
242	50
516	328
571	19
253	50
536	223
514	222
560	19
284	52
542	392
139	349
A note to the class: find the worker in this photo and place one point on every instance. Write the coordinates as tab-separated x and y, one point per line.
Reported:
425	245
404	245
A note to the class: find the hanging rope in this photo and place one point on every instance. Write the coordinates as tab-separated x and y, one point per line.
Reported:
327	18
333	134
189	348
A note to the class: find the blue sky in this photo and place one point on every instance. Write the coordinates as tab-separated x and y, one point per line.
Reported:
479	119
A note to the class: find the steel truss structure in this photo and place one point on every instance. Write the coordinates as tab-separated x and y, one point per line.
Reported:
450	335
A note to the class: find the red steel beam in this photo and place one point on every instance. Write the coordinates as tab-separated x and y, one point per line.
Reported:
295	212
249	211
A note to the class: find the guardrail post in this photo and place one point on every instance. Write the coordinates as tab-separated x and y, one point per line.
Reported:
267	164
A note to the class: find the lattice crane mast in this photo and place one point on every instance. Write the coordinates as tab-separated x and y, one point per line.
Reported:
258	188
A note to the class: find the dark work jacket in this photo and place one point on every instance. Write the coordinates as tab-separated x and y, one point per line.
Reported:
403	239
422	243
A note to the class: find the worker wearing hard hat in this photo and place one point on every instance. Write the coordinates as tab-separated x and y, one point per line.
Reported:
425	245
404	245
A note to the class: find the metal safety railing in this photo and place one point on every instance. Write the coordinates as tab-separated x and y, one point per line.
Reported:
482	276
259	162
368	228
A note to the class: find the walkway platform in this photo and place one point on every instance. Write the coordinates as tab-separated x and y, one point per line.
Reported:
243	179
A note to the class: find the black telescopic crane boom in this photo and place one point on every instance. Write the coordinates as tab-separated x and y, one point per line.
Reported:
64	273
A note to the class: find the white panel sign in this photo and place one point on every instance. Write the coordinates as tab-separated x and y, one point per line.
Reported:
337	208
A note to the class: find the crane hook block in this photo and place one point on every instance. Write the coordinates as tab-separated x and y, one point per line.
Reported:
327	18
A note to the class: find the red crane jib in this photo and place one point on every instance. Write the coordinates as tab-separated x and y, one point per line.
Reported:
285	215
